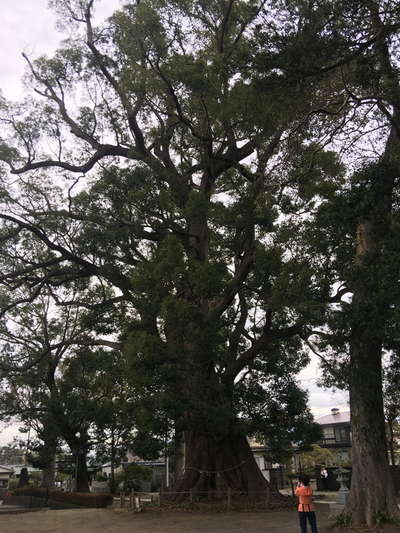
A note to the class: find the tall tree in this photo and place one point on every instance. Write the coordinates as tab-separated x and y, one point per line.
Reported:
44	386
178	130
391	402
357	230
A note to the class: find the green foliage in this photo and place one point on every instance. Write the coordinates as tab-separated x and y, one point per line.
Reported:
132	475
317	456
23	478
212	233
12	483
343	519
146	446
383	517
101	477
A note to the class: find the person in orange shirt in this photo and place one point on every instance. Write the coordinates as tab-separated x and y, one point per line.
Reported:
306	507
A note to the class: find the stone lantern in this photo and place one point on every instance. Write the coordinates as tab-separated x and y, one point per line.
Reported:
342	476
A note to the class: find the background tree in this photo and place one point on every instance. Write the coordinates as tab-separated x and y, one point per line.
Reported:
356	227
45	385
11	454
391	401
115	416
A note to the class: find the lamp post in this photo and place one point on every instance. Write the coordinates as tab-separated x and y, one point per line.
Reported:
167	470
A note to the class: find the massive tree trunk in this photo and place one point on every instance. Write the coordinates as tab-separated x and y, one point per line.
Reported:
210	463
112	462
48	452
372	493
392	455
81	473
49	472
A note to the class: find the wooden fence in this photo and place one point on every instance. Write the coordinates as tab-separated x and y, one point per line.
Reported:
136	500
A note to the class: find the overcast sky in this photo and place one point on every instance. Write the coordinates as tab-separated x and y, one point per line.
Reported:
29	26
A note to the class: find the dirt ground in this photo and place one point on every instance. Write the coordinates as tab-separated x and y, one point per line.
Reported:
121	521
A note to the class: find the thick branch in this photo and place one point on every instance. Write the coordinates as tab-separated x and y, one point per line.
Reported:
105	150
106	271
269	335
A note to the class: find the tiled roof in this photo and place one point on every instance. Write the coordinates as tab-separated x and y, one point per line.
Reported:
338	418
17	469
5	469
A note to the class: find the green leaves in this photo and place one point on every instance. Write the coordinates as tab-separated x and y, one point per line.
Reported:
8	154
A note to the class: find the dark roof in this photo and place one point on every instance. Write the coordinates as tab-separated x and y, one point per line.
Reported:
338	418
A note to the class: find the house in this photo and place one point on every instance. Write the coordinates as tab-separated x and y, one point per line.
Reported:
5	473
273	472
159	469
336	434
16	470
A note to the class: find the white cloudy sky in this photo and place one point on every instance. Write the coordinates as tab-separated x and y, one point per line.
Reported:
29	26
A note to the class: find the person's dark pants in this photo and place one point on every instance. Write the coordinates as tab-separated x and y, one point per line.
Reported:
310	516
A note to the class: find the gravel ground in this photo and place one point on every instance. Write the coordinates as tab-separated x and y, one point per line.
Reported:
121	521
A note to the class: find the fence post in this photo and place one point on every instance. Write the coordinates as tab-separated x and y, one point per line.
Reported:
291	486
132	499
122	499
159	497
228	498
267	498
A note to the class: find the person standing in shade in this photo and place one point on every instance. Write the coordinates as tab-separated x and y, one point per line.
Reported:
306	507
324	478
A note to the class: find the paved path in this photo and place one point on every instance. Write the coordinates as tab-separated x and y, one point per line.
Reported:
115	521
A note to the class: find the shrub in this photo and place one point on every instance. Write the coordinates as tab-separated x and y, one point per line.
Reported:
12	483
100	476
82	499
37	492
343	519
132	475
383	517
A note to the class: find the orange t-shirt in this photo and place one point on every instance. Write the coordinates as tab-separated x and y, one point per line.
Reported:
305	499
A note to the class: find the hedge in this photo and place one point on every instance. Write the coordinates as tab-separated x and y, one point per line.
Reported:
31	491
82	499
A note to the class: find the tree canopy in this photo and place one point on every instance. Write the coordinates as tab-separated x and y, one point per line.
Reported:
193	179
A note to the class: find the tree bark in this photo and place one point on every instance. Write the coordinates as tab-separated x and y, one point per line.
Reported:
112	462
49	474
208	462
372	492
392	455
82	477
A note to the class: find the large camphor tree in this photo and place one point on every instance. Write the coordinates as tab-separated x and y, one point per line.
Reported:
154	164
147	173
